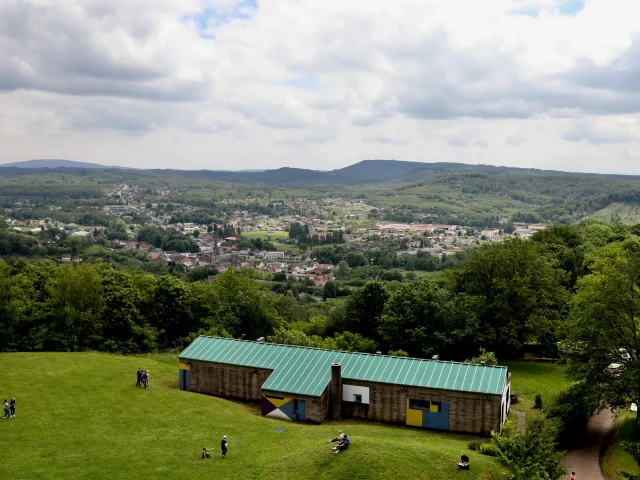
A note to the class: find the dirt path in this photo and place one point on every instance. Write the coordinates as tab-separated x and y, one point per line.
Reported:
522	422
585	459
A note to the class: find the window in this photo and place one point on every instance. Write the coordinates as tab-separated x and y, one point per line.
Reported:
434	407
357	398
419	404
274	397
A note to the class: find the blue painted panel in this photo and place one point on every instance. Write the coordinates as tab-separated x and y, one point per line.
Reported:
302	409
438	421
185	380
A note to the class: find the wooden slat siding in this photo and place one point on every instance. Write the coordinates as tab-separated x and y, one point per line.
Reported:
469	412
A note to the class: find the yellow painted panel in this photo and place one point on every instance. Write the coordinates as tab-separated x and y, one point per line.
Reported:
414	417
278	402
433	408
184	366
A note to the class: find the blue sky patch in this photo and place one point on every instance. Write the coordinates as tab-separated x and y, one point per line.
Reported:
212	17
301	81
563	7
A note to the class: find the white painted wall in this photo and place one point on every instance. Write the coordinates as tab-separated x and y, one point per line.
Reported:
348	392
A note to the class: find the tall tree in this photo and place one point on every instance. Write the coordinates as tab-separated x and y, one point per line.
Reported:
364	307
604	327
519	292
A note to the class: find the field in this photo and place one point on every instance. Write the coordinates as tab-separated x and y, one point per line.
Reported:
530	378
274	235
627	213
616	459
80	416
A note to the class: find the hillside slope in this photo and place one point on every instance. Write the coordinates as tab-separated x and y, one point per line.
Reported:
80	416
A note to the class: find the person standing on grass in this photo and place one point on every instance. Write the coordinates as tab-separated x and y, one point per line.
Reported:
5	407
573	476
139	381
12	407
223	446
146	379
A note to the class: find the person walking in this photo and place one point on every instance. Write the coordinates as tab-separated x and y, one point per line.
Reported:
146	379
223	445
5	407
139	381
12	407
573	476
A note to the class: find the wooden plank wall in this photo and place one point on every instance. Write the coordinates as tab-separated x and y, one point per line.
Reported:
228	381
468	412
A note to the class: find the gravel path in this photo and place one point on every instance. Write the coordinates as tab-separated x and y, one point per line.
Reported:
522	422
585	458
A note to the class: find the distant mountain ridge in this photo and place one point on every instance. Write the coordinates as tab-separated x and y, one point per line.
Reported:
365	171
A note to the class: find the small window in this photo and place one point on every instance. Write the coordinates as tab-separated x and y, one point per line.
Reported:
358	398
419	404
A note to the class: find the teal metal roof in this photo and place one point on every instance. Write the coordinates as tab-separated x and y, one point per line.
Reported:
307	371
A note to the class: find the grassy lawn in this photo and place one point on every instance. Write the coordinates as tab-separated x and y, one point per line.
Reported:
80	416
263	235
530	378
616	459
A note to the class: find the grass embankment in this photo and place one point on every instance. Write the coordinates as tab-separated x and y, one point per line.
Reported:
80	416
616	459
531	378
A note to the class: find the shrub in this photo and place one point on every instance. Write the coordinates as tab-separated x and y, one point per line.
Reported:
488	449
485	358
398	353
531	455
537	403
475	444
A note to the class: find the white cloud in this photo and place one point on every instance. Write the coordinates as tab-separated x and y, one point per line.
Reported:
308	84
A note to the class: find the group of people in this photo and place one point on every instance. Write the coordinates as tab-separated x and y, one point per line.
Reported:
9	408
143	378
342	442
223	447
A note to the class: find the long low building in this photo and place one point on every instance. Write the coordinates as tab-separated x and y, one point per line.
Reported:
312	384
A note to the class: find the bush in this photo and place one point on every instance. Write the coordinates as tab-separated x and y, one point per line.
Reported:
485	358
475	444
398	353
531	455
537	403
488	449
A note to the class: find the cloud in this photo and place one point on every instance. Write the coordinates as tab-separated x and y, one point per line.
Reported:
349	80
599	133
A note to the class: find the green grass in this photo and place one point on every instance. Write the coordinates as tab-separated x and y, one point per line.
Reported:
530	378
263	235
616	459
80	416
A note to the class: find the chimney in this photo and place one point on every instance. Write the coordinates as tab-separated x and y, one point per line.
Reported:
336	391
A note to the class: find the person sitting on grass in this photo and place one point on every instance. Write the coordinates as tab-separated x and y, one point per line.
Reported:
205	455
338	438
342	444
463	464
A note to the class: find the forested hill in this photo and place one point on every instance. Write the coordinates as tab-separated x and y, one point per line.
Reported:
364	172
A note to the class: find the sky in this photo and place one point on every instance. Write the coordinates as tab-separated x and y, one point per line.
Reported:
258	84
